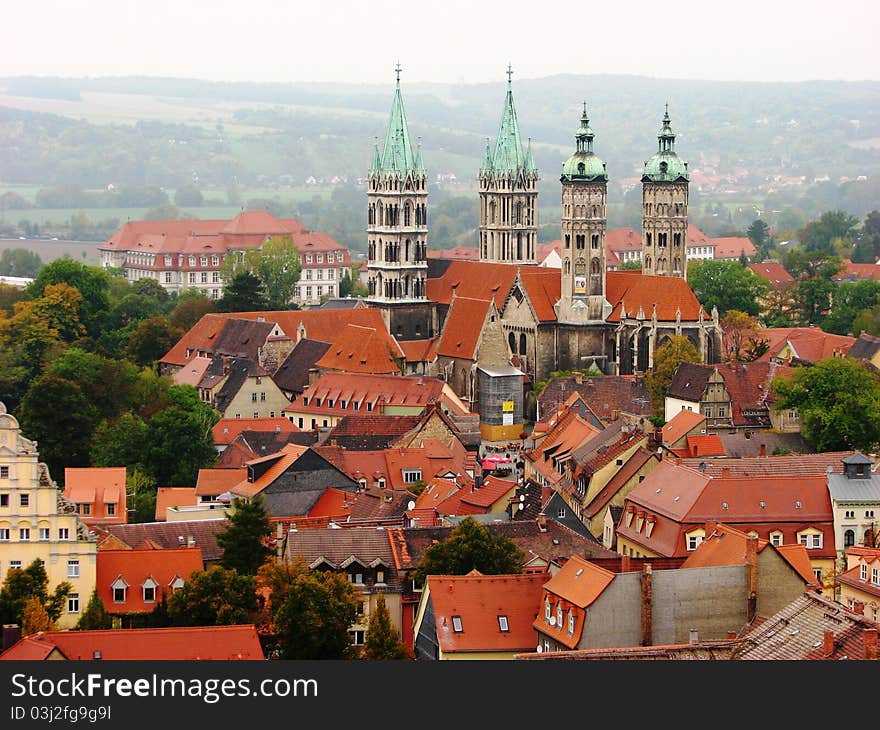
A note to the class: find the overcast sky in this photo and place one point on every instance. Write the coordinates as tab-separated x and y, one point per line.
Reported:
445	41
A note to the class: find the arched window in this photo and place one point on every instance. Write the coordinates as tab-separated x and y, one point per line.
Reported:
511	340
566	266
849	538
522	343
407	212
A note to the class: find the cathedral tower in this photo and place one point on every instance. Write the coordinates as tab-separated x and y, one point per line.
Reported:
664	212
508	194
397	223
584	189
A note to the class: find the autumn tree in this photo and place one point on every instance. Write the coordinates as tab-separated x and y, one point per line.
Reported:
667	358
21	584
314	619
471	546
92	282
151	339
742	340
94	616
214	597
34	617
383	640
244	539
839	403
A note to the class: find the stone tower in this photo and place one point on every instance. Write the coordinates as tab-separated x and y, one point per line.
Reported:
397	223
508	194
584	190
664	212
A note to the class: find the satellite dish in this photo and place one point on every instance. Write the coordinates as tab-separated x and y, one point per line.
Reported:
411	505
553	620
522	498
540	649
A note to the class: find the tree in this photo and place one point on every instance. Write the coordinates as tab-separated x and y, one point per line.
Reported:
313	621
667	358
142	503
191	307
839	403
118	441
19	262
20	584
814	287
850	300
471	546
151	340
94	616
214	597
868	320
188	196
277	266
34	617
759	234
827	234
244	538
383	641
631	265
867	248
163	212
726	285
742	341
92	281
243	293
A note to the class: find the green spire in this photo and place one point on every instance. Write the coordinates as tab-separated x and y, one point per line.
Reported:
508	155
487	161
397	155
665	165
419	163
375	163
529	163
666	137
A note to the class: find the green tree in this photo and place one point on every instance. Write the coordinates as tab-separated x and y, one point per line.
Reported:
244	293
839	403
726	285
867	247
164	212
471	546
759	234
244	539
214	597
631	265
188	196
850	300
92	281
383	641
94	616
813	272
20	584
119	442
868	320
829	233
19	262
151	340
313	621
667	358
142	503
190	308
277	266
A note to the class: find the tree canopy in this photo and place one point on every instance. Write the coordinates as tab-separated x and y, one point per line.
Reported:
214	597
32	582
383	640
276	265
244	538
839	403
726	285
244	292
667	358
471	546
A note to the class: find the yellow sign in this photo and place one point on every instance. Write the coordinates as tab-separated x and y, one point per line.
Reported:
507	406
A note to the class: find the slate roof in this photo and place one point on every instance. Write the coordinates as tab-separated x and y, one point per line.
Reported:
865	347
748	444
292	376
689	382
798	632
603	394
844	489
240	370
369	432
169	534
225	431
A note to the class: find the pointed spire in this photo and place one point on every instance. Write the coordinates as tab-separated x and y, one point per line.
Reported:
375	163
529	163
487	162
666	137
584	135
397	155
508	155
419	165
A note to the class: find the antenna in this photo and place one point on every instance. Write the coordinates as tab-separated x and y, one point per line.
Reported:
411	505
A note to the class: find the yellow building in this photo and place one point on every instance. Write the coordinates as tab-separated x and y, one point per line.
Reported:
37	521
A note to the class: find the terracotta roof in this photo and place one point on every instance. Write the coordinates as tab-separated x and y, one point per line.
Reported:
181	643
810	627
732	247
623	239
635	292
857	272
193	372
810	344
772	271
783	465
543	287
478	601
494	492
136	567
173	497
797	557
569	433
172	535
279	464
420	350
359	349
463	328
680	424
696	237
749	386
475	280
603	394
704	445
640	457
225	430
702	651
98	486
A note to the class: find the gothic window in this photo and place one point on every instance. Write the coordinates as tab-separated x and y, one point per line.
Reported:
676	240
518	214
676	264
568	240
566	266
661	239
511	340
594	266
381	215
492	212
522	344
407	211
648	239
647	263
594	243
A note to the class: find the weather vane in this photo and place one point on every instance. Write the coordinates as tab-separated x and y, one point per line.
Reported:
509	73
397	71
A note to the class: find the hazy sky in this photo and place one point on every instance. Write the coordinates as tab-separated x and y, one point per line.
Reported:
445	41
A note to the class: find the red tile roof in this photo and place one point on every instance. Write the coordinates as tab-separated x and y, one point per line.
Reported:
782	465
225	430
280	462
579	582
732	247
478	600
619	240
98	486
359	349
857	272
543	250
681	424
135	567
213	482
709	444
696	237
772	271
492	496
420	350
634	292
475	280
543	287
463	328
810	344
181	643
173	497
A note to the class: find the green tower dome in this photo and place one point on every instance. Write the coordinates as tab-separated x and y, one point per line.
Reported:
666	165
584	165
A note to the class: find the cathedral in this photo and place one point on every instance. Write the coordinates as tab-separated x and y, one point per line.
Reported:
580	316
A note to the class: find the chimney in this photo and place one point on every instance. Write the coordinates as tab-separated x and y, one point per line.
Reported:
752	566
313	376
657	436
542	522
279	530
615	414
869	638
625	564
763	451
579	378
827	644
647	604
859	608
190	541
725	471
731	635
709	527
11	635
694	636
